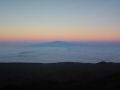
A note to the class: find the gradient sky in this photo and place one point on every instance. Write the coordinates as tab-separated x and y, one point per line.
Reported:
71	20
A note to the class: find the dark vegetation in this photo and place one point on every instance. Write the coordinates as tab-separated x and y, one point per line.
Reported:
60	76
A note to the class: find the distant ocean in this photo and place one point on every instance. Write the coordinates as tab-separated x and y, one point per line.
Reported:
83	54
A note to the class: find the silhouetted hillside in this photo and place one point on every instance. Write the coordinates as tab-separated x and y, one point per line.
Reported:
60	76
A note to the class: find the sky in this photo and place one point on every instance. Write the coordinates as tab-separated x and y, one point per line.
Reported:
68	20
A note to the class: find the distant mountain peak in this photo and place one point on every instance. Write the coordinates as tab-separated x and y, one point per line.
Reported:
58	44
58	41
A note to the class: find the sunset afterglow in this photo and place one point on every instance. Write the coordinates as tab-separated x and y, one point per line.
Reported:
68	20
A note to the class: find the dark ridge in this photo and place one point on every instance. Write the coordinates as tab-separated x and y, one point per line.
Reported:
60	76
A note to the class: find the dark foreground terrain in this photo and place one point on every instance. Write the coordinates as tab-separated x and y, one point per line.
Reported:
60	76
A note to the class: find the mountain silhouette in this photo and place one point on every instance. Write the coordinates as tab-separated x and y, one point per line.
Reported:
57	44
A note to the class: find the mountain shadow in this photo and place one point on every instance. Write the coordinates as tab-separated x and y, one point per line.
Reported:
57	44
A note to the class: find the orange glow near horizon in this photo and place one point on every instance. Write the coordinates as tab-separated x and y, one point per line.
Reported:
64	33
